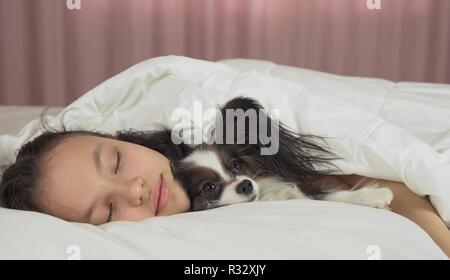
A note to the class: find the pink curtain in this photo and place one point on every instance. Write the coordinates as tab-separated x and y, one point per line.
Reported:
51	55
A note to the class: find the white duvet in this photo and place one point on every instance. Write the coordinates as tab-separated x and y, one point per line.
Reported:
396	131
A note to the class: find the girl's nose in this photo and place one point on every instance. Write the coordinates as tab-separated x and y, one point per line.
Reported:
135	191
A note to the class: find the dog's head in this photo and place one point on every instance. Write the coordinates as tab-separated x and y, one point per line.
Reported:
218	175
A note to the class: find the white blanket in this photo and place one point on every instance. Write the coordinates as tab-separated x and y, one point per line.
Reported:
397	131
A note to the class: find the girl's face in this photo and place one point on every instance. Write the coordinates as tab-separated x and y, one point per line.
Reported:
95	180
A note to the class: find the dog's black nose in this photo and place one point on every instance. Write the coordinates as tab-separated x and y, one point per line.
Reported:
244	187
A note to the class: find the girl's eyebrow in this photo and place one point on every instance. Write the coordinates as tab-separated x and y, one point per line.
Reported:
96	155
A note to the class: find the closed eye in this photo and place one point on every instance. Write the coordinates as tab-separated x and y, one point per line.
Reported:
118	163
110	213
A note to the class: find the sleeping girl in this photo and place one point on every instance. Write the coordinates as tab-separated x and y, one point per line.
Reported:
96	178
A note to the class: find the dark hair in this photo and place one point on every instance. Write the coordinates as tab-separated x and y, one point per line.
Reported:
20	180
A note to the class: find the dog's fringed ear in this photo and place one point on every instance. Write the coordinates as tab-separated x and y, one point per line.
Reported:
236	113
245	122
295	157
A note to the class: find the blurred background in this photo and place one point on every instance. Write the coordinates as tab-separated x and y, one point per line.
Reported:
51	53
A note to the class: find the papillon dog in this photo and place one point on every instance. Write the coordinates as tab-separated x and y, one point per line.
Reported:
224	173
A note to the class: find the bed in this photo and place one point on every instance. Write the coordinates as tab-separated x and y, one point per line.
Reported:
372	124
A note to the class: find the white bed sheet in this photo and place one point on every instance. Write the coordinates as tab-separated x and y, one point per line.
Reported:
348	109
297	229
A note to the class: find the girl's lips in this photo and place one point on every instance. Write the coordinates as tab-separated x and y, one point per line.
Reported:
163	196
155	195
159	196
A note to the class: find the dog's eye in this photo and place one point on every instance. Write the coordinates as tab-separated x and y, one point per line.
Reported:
209	187
236	165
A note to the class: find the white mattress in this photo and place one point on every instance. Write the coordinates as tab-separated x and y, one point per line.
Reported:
374	127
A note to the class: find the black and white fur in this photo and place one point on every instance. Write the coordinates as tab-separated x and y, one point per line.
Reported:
215	175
